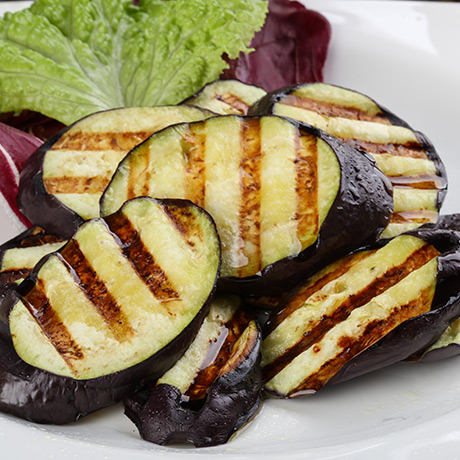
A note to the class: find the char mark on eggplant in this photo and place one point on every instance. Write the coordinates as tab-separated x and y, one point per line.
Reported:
269	185
343	310
118	291
407	157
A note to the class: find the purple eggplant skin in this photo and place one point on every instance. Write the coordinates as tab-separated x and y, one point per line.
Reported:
40	207
7	280
232	400
43	397
30	237
264	106
360	212
449	264
447	222
453	349
416	334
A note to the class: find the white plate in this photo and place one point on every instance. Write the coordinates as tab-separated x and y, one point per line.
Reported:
405	55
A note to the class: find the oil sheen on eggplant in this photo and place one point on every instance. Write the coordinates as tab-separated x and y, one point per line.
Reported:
406	156
62	182
411	339
284	198
226	97
114	308
367	310
213	390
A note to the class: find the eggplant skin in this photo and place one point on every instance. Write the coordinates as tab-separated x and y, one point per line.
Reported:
232	400
406	340
449	266
29	240
410	339
360	212
448	222
40	396
453	349
42	208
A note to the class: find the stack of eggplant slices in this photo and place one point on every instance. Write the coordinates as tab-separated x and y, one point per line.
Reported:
191	260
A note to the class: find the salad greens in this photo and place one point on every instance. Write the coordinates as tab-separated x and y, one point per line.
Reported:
69	58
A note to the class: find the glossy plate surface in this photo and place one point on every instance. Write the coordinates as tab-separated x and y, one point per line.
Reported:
405	55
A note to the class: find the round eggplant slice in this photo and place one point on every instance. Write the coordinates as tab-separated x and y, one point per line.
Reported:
367	310
213	390
62	182
115	307
284	198
227	97
407	157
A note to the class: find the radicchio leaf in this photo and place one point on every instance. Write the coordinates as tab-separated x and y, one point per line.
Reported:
34	123
294	39
15	148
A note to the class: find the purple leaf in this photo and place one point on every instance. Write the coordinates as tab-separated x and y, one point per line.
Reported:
291	48
15	148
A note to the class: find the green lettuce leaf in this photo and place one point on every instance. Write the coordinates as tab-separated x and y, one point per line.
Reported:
69	58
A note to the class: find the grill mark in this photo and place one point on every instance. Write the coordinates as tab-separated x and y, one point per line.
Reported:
265	302
118	141
185	222
303	294
193	144
218	354
306	164
234	102
38	305
250	260
333	110
379	285
34	239
410	150
11	276
420	181
422	216
96	291
139	173
76	184
38	237
141	259
352	346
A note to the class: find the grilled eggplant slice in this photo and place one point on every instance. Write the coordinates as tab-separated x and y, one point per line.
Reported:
62	182
227	97
283	198
374	305
213	390
116	306
407	157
